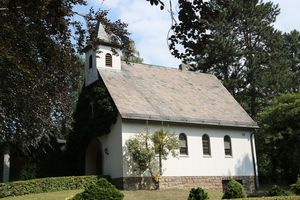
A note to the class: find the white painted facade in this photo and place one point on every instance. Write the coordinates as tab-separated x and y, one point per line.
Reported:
112	151
195	163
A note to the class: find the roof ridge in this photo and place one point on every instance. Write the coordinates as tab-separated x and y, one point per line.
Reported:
167	68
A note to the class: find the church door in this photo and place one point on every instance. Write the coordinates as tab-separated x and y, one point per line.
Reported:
93	158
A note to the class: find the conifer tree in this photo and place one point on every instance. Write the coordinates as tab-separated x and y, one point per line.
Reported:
236	41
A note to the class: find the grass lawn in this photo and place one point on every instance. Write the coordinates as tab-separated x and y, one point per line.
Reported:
174	194
61	195
274	198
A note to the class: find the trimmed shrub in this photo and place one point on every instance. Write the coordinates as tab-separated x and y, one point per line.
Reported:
197	194
51	184
102	190
296	187
276	191
234	190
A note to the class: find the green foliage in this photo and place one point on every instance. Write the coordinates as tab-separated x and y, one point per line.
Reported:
142	150
95	113
165	143
234	190
198	194
264	163
135	56
236	41
29	171
101	190
296	186
40	68
276	191
39	71
46	185
292	45
40	164
279	137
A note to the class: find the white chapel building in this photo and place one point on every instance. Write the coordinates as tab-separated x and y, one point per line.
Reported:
215	132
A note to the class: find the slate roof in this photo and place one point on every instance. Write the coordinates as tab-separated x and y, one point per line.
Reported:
148	92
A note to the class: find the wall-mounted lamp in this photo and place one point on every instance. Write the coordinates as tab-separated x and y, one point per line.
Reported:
106	151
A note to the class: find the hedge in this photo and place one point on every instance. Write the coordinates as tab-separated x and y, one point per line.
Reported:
42	185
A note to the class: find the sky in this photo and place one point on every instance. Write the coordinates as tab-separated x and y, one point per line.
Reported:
149	25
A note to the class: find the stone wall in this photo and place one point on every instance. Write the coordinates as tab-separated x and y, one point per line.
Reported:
133	183
206	182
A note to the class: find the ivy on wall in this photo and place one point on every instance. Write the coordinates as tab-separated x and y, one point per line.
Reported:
95	113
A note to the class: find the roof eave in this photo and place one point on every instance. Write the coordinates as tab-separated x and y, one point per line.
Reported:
207	122
101	42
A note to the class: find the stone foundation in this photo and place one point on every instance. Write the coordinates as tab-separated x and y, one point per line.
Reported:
217	183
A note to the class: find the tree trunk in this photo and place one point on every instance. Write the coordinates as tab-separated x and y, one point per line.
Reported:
160	165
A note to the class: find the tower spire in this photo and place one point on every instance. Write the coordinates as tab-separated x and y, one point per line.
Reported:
102	34
107	56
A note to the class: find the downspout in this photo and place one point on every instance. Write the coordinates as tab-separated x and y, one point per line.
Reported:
254	162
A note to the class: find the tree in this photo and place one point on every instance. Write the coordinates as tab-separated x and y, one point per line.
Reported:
165	143
279	138
135	57
144	148
39	71
40	68
236	41
292	45
157	2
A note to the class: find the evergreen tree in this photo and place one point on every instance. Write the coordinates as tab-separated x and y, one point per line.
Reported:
292	45
279	137
236	41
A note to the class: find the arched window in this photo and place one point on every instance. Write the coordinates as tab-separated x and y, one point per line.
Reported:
91	61
108	60
183	144
206	145
227	146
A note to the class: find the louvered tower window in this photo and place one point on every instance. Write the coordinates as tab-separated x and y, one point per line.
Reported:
108	60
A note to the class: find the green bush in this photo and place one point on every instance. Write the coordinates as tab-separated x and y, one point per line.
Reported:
28	171
102	190
296	186
234	190
197	194
51	184
276	191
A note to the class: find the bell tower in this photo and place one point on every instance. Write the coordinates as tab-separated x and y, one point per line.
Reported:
107	56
